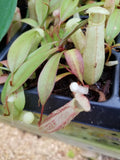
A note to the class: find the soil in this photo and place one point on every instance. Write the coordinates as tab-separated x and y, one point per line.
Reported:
18	145
103	88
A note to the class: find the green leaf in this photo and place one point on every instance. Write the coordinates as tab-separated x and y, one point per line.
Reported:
14	112
85	7
19	97
113	26
44	48
75	62
47	78
31	9
37	40
30	22
7	9
19	101
20	49
67	9
30	65
55	4
5	89
42	10
47	38
16	102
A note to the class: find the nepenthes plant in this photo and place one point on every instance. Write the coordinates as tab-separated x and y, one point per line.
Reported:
54	24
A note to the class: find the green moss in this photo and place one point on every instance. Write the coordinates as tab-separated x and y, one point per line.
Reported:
71	154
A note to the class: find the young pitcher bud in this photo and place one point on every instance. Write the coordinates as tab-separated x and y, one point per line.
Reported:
26	117
94	54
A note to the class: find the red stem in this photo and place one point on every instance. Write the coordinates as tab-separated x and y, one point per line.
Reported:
66	68
6	105
39	123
